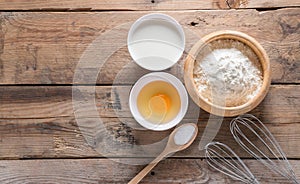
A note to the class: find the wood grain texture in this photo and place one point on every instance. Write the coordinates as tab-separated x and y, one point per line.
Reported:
61	138
44	48
37	123
106	171
29	102
142	4
40	123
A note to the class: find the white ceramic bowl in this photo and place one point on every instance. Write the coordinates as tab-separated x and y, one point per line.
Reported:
156	41
151	77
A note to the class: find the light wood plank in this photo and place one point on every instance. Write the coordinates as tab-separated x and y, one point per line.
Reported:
61	138
44	48
39	123
281	104
142	5
106	171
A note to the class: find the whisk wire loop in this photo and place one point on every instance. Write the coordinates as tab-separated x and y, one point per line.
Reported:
264	139
214	154
222	158
238	132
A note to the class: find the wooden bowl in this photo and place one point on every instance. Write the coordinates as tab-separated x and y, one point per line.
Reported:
227	39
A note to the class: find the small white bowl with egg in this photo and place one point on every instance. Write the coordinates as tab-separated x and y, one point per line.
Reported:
158	101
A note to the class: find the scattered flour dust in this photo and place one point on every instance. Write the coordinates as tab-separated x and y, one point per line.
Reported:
227	77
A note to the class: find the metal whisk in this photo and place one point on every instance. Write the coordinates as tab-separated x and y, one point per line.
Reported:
254	137
222	158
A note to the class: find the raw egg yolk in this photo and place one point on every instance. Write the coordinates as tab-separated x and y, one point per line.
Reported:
159	104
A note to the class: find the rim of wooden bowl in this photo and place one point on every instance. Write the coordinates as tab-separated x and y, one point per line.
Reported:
219	110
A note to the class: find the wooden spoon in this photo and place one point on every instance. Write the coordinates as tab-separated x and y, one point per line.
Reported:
178	140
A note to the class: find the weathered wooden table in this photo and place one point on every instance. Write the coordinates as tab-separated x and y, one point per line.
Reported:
41	43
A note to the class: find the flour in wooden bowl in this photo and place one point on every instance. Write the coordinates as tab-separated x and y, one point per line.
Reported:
226	73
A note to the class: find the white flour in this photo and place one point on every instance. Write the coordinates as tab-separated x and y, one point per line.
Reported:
227	74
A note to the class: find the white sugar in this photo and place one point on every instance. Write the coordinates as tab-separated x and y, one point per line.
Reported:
184	134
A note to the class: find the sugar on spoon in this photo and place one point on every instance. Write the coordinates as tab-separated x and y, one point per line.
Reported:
181	138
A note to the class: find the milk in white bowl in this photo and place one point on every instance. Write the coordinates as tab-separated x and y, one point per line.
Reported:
156	41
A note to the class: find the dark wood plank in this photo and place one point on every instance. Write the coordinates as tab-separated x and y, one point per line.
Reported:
107	171
142	5
44	48
39	123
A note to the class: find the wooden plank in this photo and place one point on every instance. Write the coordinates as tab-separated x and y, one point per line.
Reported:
27	102
107	171
142	5
44	48
61	138
39	123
